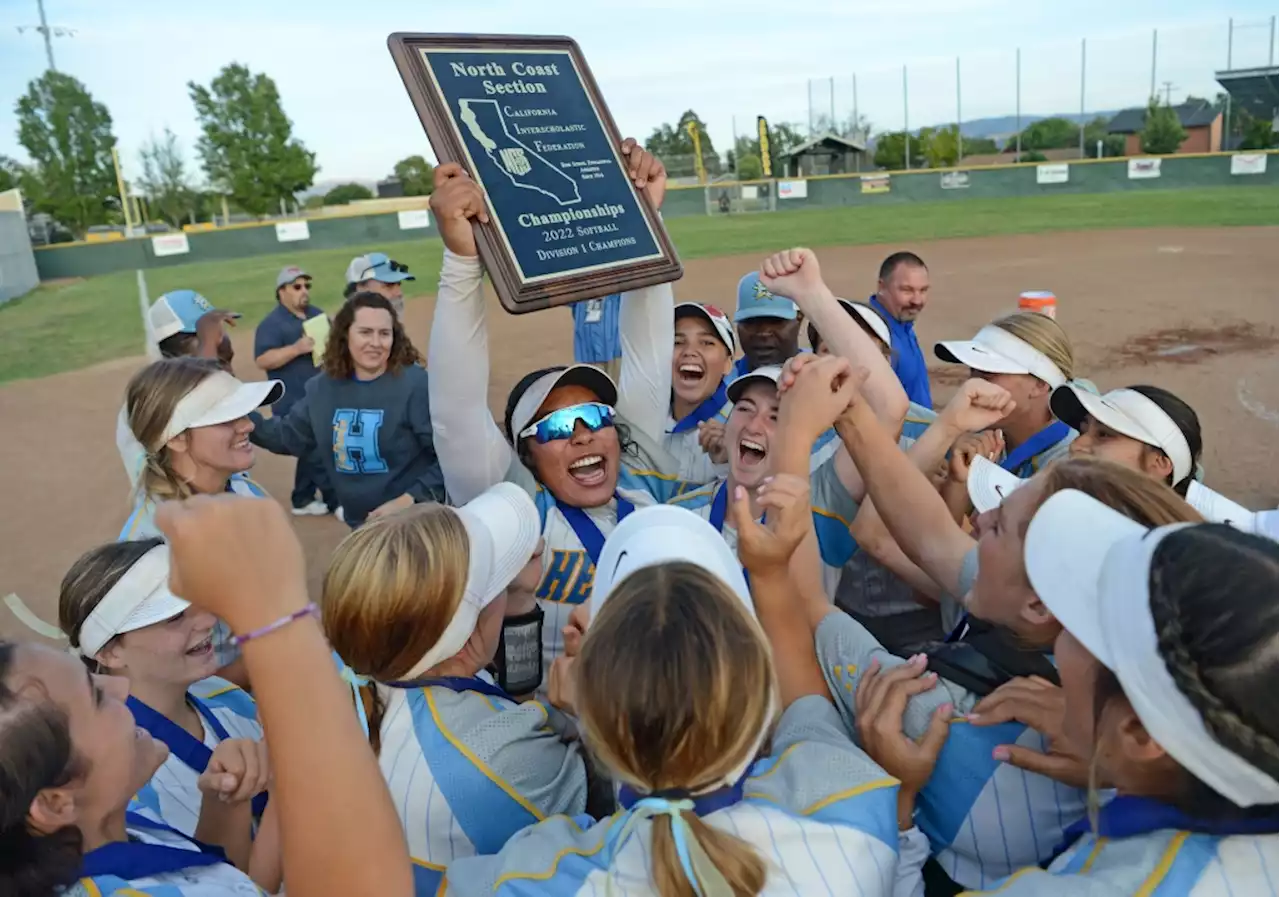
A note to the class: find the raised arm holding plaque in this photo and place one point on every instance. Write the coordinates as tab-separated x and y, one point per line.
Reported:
524	117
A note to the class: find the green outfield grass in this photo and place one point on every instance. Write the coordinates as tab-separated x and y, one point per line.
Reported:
67	326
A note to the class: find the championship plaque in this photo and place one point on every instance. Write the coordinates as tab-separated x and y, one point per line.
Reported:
524	117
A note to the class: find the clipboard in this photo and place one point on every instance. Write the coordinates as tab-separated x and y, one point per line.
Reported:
318	329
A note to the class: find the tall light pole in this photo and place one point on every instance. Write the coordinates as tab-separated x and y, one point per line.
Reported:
48	33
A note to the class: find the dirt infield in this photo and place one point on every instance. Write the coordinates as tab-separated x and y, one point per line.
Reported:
1193	311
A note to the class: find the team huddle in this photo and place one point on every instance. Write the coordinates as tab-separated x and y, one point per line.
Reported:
748	619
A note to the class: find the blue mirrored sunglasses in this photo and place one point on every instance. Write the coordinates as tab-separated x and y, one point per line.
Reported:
559	424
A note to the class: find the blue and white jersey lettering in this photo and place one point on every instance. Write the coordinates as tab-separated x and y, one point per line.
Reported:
355	440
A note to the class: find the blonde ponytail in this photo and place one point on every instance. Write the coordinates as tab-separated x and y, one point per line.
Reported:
739	866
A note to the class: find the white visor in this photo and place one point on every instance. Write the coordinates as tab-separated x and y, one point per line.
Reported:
1091	566
767	374
871	317
503	528
1218	508
219	399
536	393
140	598
664	534
990	484
1128	413
997	351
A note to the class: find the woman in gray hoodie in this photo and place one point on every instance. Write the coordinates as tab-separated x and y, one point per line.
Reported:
370	404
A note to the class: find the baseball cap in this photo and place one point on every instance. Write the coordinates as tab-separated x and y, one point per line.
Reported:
289	274
177	312
536	392
718	320
217	399
997	351
376	266
755	301
1129	413
503	528
664	534
767	374
989	484
870	317
140	598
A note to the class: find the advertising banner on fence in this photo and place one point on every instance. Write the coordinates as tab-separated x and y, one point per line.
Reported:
875	183
1249	163
750	191
955	180
1053	174
292	231
793	189
1143	168
414	219
170	244
766	160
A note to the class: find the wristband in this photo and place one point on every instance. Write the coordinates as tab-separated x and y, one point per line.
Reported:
309	611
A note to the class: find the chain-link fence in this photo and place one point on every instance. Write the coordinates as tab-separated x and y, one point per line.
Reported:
996	95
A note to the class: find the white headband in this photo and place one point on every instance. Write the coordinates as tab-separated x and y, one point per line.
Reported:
1124	601
139	598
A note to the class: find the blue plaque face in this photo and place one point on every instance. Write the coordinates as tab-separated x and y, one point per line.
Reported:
562	201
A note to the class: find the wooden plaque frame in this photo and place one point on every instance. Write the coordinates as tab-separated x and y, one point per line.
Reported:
517	295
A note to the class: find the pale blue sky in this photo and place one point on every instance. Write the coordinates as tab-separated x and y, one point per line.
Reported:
652	58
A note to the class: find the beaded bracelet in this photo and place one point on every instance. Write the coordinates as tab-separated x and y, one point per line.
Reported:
309	611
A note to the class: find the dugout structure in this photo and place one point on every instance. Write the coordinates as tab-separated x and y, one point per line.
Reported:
734	197
17	260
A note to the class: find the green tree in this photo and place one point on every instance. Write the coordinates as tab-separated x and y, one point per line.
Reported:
1162	132
673	144
10	174
67	135
940	146
344	193
979	146
1095	130
1050	133
313	202
415	175
1255	133
890	147
164	179
750	167
783	136
247	145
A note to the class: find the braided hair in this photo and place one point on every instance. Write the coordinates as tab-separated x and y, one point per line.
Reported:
1213	602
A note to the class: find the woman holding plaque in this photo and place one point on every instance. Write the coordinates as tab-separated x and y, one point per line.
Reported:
586	451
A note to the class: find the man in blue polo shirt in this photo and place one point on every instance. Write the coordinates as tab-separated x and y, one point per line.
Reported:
901	294
283	350
768	326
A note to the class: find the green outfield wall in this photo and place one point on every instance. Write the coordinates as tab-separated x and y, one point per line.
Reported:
931	185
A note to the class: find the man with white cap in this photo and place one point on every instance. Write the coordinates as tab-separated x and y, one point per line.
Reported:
376	273
180	323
